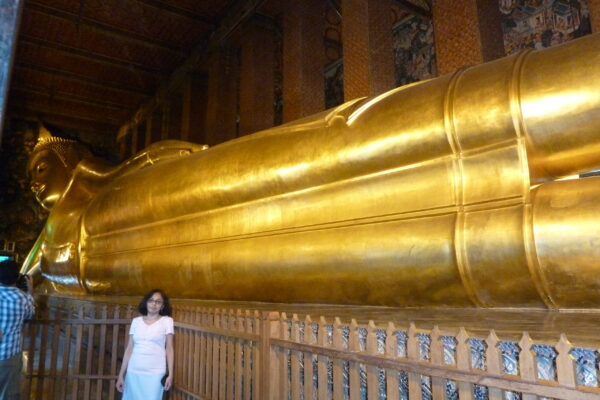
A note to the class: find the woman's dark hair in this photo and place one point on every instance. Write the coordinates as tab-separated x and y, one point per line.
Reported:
164	310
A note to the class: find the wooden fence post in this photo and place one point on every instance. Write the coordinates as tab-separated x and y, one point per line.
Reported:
231	326
197	374
282	364
322	360
256	356
354	372
239	372
102	350
308	363
494	363
391	375
463	363
214	393
527	363
372	370
412	352
438	388
185	353
338	364
113	355
76	365
249	348
565	370
41	369
268	356
295	360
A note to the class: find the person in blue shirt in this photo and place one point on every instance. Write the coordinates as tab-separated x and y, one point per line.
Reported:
15	307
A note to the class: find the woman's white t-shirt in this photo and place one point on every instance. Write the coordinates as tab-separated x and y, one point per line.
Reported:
149	354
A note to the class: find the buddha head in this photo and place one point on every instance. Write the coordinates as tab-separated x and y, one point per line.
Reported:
51	165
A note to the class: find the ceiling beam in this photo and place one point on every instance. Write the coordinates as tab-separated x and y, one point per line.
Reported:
102	28
77	123
66	107
58	94
127	90
239	13
184	12
131	65
414	9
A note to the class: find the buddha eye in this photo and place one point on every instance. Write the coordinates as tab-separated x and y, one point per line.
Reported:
41	167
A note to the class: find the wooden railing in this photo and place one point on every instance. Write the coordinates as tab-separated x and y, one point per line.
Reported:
73	351
241	354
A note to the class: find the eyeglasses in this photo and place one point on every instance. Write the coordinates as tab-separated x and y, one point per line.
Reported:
157	302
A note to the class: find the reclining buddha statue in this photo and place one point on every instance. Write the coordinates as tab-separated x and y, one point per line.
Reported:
459	191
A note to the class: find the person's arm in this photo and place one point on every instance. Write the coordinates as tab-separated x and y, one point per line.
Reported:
126	357
170	357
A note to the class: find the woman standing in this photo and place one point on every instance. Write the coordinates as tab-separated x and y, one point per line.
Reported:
149	353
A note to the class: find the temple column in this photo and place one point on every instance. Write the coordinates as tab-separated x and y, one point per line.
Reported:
134	139
10	14
149	126
123	148
303	59
175	114
257	77
156	125
594	6
466	33
194	107
221	106
164	121
141	136
125	142
368	48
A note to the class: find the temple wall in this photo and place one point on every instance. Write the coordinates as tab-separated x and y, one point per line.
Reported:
316	55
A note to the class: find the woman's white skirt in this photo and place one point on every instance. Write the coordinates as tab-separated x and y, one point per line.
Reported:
142	387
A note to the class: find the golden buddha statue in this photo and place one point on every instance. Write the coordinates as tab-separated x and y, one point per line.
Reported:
441	193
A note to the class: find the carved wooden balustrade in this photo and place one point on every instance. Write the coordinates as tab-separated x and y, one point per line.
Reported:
73	351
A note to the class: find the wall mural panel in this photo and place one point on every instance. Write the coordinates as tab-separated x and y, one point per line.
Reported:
542	23
414	49
334	69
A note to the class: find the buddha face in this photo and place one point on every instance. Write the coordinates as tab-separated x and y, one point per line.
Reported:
49	177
